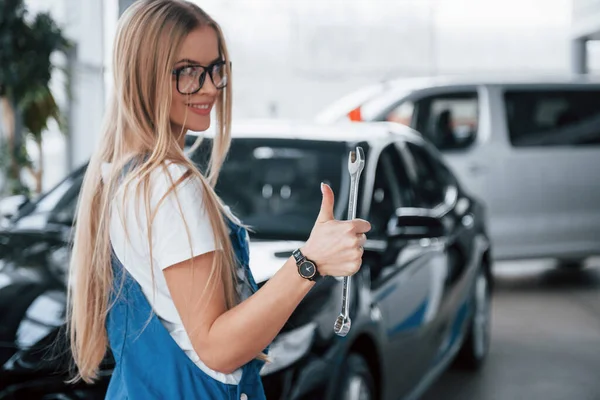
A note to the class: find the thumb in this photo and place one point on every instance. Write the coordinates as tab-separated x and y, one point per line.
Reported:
326	213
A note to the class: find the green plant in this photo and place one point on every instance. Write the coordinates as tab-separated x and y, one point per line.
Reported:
26	46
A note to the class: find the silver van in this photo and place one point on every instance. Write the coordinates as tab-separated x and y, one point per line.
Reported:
528	147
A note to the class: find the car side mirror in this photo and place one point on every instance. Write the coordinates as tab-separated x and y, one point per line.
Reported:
414	223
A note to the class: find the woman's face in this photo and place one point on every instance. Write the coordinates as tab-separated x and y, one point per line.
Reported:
192	111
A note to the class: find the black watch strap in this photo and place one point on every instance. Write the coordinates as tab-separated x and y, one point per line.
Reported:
298	256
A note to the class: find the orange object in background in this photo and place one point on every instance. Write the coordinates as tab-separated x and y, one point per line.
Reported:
354	115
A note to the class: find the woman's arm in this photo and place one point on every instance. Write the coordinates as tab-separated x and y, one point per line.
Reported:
227	339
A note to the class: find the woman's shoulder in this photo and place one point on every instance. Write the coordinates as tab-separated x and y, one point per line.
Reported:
179	175
168	169
169	179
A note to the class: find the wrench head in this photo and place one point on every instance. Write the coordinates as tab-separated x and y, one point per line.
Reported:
342	325
356	160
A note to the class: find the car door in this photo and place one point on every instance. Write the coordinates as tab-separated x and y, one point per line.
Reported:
548	199
402	277
438	192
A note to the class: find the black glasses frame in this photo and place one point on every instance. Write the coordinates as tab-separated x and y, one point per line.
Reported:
205	69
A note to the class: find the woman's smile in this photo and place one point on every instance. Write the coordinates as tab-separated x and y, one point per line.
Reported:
200	108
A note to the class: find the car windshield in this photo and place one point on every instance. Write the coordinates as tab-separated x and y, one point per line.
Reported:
274	185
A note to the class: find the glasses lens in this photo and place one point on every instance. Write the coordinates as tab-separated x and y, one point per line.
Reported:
189	79
219	75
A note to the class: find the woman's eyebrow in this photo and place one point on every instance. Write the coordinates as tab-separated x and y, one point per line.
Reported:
190	61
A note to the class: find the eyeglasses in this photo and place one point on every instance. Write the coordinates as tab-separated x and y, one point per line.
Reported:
190	78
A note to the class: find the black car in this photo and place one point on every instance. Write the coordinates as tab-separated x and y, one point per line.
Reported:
421	299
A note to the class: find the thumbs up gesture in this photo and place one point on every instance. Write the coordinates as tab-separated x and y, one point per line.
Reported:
336	247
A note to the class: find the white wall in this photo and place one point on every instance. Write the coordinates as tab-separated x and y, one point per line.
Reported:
586	18
82	23
88	78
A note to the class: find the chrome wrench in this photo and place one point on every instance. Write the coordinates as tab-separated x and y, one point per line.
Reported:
356	164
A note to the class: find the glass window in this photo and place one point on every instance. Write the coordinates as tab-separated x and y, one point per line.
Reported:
553	117
431	186
49	200
273	185
65	210
58	205
403	188
391	190
449	121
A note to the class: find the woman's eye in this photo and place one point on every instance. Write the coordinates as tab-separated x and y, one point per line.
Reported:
189	71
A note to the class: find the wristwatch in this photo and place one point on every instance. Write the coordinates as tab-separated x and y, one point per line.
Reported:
306	268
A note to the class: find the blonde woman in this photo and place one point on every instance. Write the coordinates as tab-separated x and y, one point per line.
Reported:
156	255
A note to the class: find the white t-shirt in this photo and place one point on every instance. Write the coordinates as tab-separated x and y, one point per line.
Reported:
170	245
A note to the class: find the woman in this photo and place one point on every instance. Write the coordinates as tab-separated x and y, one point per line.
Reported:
159	265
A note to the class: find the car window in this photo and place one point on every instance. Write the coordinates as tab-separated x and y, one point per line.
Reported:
450	120
431	180
65	209
391	190
553	117
49	200
399	173
52	206
273	185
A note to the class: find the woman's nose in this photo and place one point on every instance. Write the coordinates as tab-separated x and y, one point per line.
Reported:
208	88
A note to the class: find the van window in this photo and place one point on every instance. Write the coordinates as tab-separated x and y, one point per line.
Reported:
553	117
449	120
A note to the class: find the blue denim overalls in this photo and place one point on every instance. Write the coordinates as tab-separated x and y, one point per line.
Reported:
149	363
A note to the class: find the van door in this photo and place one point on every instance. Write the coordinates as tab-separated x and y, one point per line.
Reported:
549	192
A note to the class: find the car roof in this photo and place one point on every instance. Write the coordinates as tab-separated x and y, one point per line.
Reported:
372	98
491	79
393	87
349	132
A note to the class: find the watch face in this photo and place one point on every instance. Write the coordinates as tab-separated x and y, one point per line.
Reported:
307	269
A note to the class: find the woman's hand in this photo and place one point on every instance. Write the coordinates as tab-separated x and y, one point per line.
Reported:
336	247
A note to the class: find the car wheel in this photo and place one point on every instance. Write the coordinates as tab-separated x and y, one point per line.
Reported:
356	381
476	346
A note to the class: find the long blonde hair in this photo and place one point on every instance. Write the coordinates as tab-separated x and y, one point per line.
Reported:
137	123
